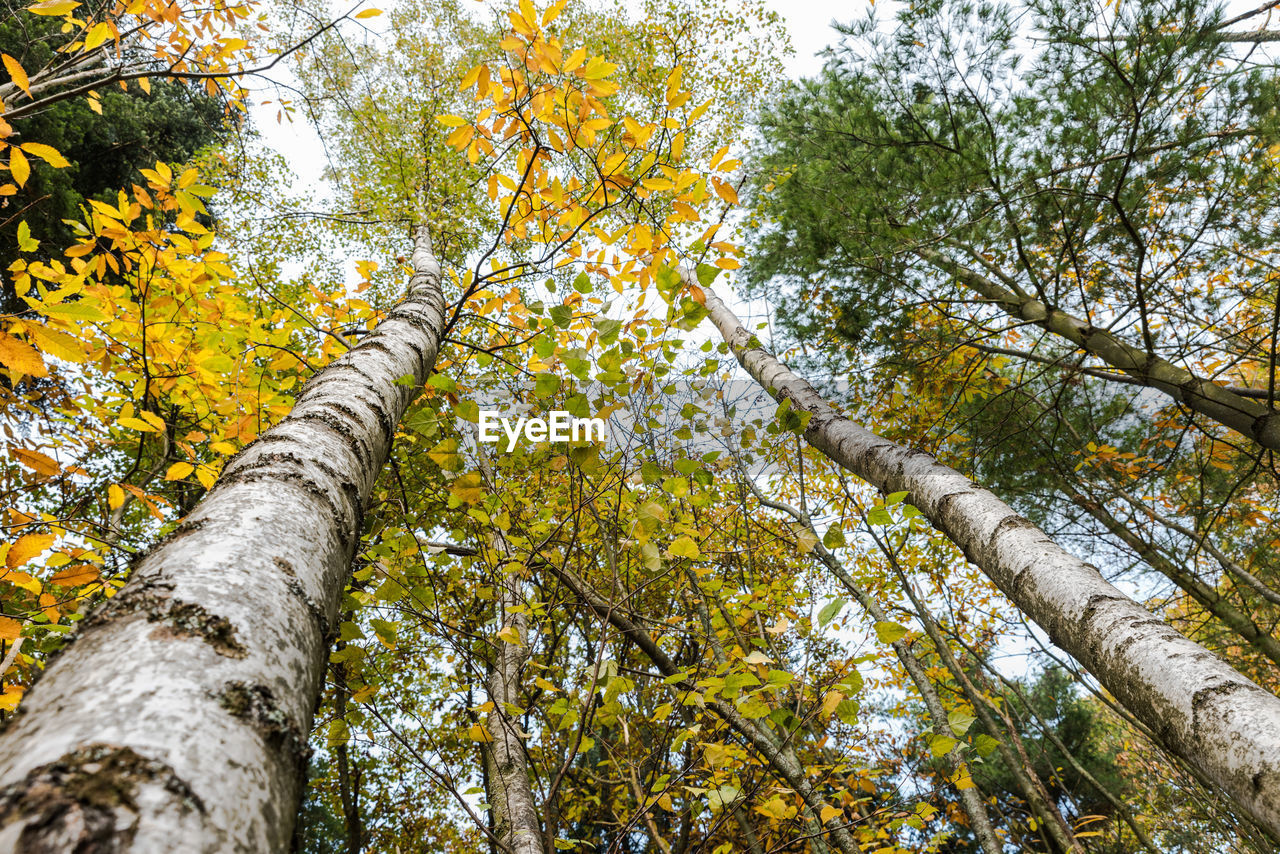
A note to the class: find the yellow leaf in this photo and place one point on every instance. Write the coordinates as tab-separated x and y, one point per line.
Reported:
684	547
136	424
53	7
9	629
98	34
468	488
544	684
17	72
178	471
369	13
36	461
27	547
11	697
829	812
726	191
471	77
75	576
776	808
509	635
47	153
829	703
20	357
207	476
115	496
553	11
55	343
95	105
451	120
479	733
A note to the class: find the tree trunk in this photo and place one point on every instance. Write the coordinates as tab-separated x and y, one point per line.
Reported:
1249	417
510	795
1203	710
178	719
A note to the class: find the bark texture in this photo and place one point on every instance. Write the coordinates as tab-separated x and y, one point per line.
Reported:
510	794
1249	417
178	718
1201	709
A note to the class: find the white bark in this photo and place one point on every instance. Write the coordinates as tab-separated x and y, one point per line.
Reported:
1202	709
178	719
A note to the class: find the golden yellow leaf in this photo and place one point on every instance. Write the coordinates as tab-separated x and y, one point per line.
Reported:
20	357
115	496
829	812
11	697
468	488
9	629
47	153
53	7
36	461
178	471
207	476
54	342
478	733
369	13
98	34
509	635
829	703
137	424
17	72
75	576
27	547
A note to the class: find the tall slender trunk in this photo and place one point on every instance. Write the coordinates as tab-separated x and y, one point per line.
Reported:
178	719
1249	417
510	795
1202	709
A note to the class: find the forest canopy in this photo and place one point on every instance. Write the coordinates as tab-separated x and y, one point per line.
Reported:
935	509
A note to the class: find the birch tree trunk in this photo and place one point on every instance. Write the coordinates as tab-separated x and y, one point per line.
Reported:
178	718
509	792
1204	711
1249	417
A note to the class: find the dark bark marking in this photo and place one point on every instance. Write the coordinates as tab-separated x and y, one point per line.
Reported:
180	619
257	706
1205	696
85	801
187	619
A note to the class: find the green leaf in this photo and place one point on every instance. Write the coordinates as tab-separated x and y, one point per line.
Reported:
895	497
608	330
890	632
561	315
684	547
985	745
940	745
546	385
829	611
443	382
847	712
960	721
834	537
582	283
707	274
879	516
25	243
753	709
